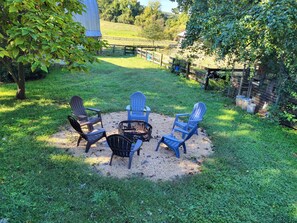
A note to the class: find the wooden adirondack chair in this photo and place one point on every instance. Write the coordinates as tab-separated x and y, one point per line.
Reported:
122	146
173	142
193	119
79	111
137	110
91	137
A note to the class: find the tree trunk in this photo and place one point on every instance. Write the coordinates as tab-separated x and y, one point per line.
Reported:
21	93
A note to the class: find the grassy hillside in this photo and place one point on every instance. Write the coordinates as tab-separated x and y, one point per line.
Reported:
125	34
119	30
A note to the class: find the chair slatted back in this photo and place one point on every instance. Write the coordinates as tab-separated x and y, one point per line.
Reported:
120	145
77	106
137	102
197	114
76	126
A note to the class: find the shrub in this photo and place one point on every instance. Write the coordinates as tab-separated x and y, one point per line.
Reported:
29	75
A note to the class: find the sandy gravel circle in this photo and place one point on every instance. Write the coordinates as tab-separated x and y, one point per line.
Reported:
151	164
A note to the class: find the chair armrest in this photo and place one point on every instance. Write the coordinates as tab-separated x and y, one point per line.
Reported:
148	109
137	145
172	138
180	115
183	114
99	131
180	130
94	110
128	108
81	116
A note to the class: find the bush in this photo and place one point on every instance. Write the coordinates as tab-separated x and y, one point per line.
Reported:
29	75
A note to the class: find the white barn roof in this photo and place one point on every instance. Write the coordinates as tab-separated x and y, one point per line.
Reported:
90	18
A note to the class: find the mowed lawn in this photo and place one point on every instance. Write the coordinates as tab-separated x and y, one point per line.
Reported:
250	178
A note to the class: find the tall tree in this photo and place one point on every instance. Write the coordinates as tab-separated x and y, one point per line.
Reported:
151	11
37	32
254	31
175	24
123	11
151	21
154	29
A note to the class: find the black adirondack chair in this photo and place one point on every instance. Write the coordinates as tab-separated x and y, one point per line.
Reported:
90	137
80	112
122	146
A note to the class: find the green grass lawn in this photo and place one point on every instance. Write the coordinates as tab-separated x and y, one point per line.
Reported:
250	178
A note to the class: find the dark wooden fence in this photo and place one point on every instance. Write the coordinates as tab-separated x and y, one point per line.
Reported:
125	49
177	66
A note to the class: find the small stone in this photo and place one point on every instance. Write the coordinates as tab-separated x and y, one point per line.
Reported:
199	162
144	162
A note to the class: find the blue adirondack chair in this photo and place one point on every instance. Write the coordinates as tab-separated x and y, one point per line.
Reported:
194	118
137	110
173	142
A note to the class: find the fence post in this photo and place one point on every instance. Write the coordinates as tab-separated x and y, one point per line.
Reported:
241	80
172	65
207	79
188	68
113	49
153	57
161	60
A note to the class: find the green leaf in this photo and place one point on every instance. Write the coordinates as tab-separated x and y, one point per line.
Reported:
3	53
15	52
19	41
25	31
43	67
34	65
12	9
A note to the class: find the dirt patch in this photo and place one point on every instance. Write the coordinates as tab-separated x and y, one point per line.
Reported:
151	164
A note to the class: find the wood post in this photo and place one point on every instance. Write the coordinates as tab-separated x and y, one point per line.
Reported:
188	68
206	79
241	80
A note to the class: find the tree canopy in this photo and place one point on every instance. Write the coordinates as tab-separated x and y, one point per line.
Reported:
122	11
38	32
253	32
151	21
